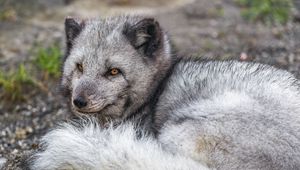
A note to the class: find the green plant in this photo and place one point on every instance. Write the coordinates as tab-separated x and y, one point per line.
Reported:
49	60
8	14
13	83
268	11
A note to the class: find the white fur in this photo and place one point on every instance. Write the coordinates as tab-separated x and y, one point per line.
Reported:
93	148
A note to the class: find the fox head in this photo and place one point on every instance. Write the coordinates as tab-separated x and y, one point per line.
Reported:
112	66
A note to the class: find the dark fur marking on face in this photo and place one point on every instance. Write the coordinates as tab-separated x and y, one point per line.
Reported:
66	88
72	29
145	36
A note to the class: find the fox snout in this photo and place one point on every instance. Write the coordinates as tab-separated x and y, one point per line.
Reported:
83	95
87	104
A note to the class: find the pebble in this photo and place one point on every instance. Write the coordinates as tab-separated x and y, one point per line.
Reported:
243	56
20	133
2	162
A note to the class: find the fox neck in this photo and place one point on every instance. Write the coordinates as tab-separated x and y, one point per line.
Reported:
144	116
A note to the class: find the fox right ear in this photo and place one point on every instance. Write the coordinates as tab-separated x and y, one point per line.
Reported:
145	36
72	28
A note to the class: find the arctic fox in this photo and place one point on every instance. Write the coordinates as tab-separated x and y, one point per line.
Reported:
189	113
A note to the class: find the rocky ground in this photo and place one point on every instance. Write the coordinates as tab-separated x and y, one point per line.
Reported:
211	29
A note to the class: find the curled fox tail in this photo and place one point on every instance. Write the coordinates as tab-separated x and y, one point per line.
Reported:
85	145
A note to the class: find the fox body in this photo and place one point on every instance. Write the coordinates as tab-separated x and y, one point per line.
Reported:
190	114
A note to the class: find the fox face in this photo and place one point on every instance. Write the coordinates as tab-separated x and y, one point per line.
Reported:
112	66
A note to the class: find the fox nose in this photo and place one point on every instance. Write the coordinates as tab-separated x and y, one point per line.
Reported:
80	102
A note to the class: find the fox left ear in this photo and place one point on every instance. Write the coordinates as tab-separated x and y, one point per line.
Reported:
72	28
145	36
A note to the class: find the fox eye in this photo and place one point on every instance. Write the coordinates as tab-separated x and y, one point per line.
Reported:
79	67
114	71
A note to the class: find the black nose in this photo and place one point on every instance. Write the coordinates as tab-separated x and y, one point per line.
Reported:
80	102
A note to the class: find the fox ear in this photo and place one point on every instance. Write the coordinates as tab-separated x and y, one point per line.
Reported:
72	28
145	36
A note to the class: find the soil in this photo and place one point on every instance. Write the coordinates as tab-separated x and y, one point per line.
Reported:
200	28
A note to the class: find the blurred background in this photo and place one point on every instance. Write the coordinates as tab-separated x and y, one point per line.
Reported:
32	43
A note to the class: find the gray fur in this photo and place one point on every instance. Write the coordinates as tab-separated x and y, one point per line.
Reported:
223	114
103	44
232	115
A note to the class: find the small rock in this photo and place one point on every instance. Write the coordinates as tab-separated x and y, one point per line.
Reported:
282	61
3	133
29	129
15	152
245	57
291	58
277	32
26	113
2	162
20	133
35	146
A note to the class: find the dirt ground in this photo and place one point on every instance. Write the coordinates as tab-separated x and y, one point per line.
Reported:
200	28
